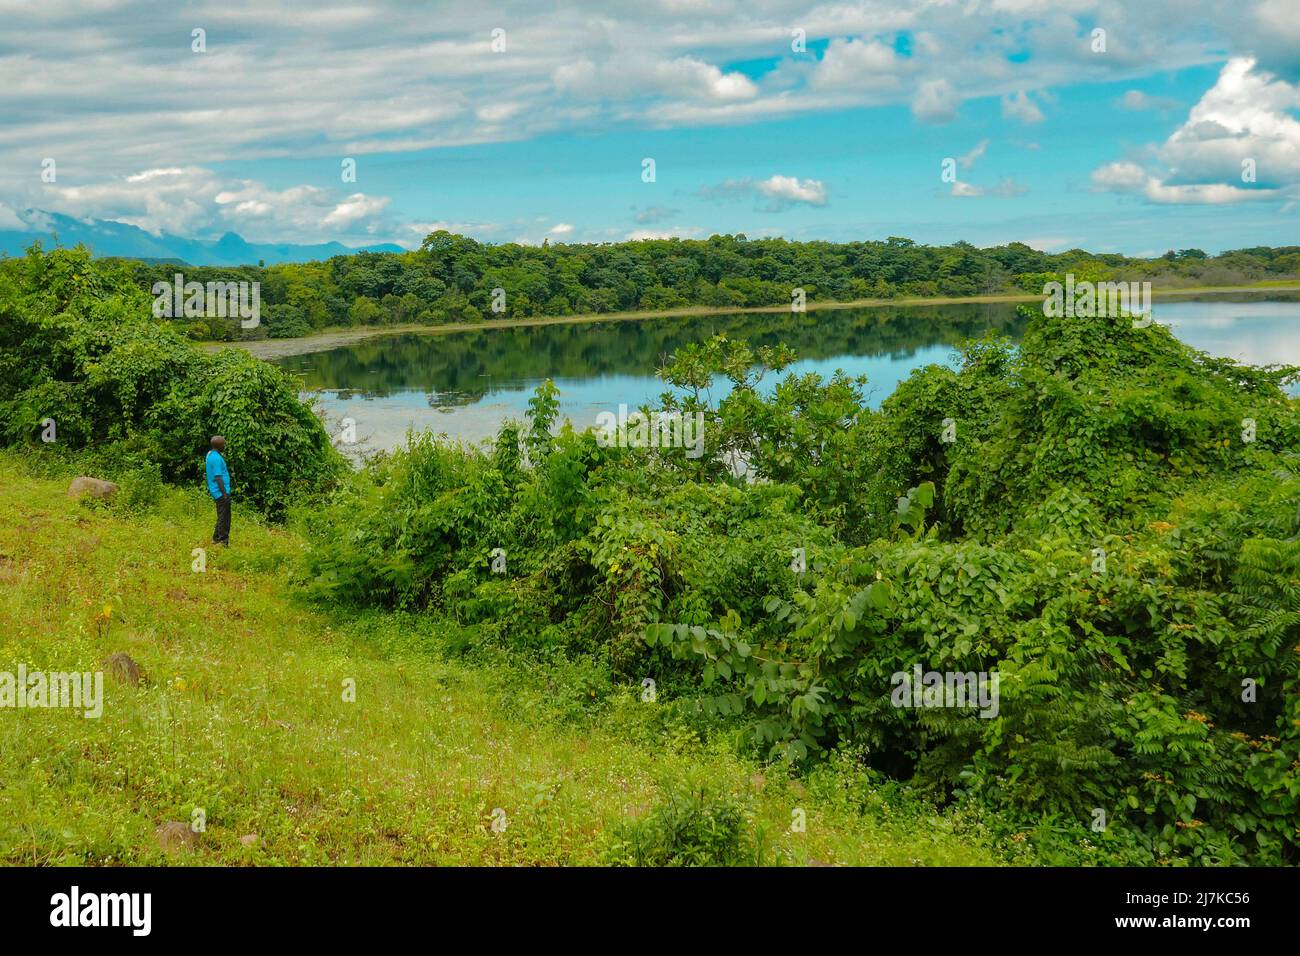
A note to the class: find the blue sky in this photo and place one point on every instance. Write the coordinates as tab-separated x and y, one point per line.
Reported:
1136	147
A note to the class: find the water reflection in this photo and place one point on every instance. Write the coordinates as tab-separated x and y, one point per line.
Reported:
464	384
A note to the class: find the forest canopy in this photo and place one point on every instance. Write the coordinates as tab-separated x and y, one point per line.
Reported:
452	278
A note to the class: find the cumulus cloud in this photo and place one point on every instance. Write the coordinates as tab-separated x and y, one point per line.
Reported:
1131	178
1239	143
193	200
780	192
788	189
354	209
1246	114
1120	177
120	92
856	63
371	78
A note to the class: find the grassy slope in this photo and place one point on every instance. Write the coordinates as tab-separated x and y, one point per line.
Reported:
243	716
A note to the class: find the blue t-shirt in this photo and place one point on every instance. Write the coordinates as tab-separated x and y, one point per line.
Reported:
216	465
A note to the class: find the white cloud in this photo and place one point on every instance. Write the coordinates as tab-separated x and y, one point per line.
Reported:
1244	115
1243	121
789	189
1021	107
372	78
1271	31
195	201
354	209
638	75
560	229
1051	243
499	112
653	214
1279	17
855	64
416	231
1006	188
968	160
1137	101
1132	178
1119	176
9	219
676	232
780	192
111	94
935	102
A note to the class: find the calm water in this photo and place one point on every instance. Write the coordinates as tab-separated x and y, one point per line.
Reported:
465	384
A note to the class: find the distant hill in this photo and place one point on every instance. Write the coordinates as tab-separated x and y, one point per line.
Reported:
107	238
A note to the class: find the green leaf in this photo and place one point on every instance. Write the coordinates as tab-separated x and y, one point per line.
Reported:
923	494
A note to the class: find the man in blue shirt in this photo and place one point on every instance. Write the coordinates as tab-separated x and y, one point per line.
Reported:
219	488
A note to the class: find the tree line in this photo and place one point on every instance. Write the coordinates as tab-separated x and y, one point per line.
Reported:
453	278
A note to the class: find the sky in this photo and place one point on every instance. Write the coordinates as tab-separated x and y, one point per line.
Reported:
1131	127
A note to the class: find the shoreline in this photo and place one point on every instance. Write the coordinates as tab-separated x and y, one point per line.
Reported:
326	339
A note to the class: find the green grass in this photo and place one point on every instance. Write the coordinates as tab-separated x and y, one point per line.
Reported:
243	715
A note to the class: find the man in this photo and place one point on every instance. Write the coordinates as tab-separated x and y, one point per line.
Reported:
219	488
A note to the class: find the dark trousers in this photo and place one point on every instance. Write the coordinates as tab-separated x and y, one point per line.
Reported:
221	535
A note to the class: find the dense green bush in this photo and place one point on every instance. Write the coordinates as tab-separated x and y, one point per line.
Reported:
79	346
596	542
1095	529
695	823
277	448
1124	683
140	490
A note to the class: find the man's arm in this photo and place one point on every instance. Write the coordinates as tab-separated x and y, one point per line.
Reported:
222	485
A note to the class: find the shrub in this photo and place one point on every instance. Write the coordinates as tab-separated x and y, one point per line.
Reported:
1099	535
140	490
1156	685
695	823
79	345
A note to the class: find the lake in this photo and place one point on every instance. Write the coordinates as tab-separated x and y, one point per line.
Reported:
465	384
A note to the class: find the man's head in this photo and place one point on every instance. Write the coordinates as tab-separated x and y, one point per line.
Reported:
218	443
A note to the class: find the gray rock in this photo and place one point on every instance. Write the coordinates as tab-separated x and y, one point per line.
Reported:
175	836
123	669
95	487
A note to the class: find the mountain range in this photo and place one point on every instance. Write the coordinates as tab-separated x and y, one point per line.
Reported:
105	237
